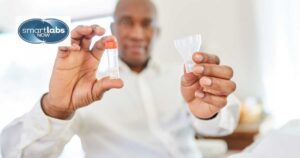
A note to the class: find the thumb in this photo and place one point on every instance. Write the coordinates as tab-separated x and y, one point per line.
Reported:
189	86
99	46
105	84
188	79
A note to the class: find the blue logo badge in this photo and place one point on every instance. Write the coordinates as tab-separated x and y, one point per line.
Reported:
49	31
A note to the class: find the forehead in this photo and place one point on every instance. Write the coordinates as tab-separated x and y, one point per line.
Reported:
136	9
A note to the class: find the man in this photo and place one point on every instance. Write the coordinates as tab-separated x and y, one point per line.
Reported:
154	115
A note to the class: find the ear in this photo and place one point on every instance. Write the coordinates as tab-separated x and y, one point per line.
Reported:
112	28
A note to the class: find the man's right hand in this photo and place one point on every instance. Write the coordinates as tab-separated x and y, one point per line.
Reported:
73	82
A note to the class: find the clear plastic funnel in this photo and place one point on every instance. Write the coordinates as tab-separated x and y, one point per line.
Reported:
187	46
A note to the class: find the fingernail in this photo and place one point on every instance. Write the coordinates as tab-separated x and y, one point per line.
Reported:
206	81
199	94
199	57
198	69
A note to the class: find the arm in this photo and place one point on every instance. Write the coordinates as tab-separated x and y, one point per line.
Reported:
36	135
44	131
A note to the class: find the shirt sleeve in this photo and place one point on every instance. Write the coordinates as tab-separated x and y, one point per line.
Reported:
223	124
36	135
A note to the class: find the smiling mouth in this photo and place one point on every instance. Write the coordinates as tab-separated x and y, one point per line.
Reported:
136	49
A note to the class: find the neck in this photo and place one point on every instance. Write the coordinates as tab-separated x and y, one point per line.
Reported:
137	68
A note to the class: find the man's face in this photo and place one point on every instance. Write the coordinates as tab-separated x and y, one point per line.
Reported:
135	28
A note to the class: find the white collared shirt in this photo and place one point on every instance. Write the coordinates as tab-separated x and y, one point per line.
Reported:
147	118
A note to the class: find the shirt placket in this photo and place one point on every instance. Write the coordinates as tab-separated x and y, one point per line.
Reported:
153	120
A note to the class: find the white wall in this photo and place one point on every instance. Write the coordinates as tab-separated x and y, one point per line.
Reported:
227	29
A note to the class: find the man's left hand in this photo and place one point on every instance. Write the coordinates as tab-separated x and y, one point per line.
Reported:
206	88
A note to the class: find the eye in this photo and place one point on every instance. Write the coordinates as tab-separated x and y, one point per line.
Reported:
126	22
147	23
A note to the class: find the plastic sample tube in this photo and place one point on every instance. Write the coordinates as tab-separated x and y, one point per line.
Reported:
111	47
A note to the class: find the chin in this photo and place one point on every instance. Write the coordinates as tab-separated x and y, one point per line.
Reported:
138	62
133	61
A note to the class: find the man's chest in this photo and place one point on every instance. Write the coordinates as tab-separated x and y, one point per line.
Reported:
144	99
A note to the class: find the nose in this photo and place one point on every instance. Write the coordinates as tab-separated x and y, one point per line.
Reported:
137	33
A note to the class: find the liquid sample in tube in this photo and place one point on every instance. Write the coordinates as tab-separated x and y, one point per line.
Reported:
111	47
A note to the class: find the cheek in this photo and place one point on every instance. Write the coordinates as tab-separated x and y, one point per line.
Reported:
120	34
121	42
150	35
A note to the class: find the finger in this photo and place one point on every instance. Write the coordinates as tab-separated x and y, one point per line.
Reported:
213	70
64	51
200	57
105	84
79	32
97	30
219	101
188	79
73	47
87	40
217	86
82	35
99	47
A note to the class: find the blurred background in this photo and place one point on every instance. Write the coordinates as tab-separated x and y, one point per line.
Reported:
260	39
